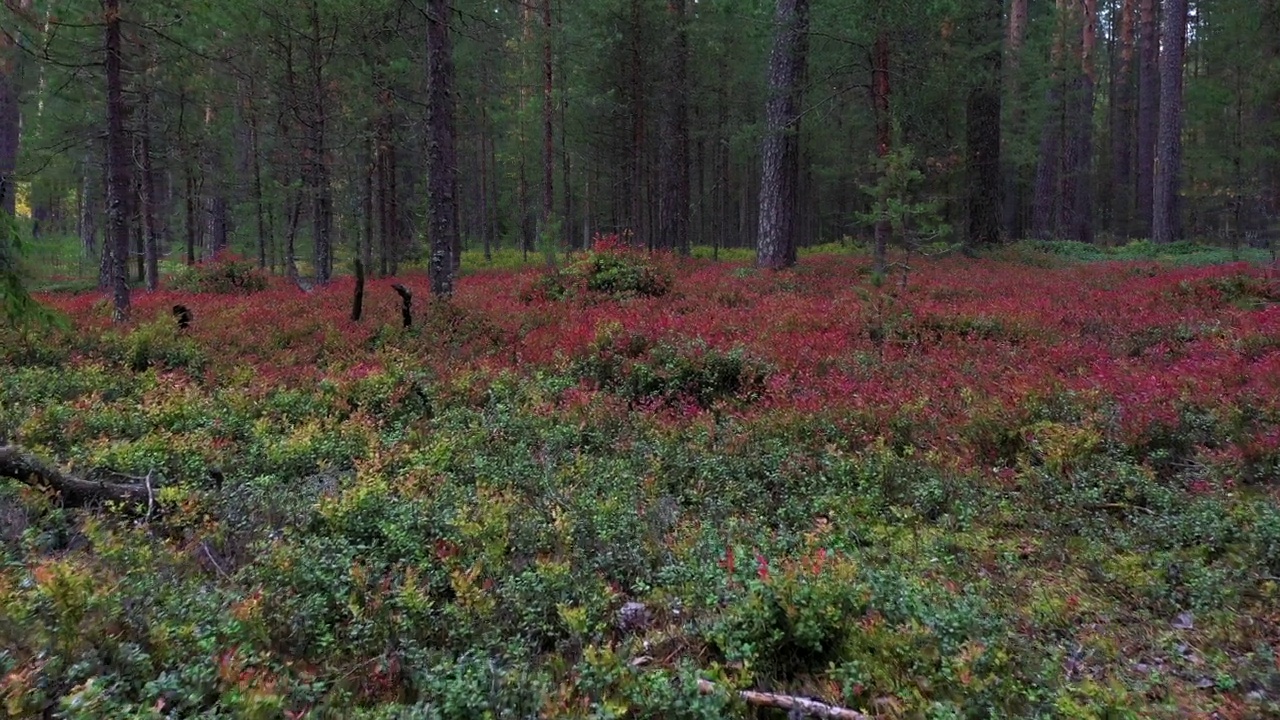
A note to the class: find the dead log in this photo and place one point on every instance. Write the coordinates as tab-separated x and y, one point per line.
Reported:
802	706
75	491
357	303
406	303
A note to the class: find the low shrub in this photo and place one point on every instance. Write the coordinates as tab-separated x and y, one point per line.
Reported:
608	269
226	275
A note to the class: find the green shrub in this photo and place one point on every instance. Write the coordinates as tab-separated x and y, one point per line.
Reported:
610	272
227	275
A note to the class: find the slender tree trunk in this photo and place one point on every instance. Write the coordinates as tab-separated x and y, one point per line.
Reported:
191	213
442	163
880	92
264	230
548	128
149	196
1148	113
1166	210
1121	186
1077	194
775	243
673	233
1015	183
10	121
636	93
983	121
322	201
88	206
118	182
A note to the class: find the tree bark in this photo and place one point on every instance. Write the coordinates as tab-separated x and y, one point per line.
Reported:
19	464
118	182
442	162
776	240
322	200
548	127
10	122
1166	210
1121	185
983	120
150	198
1014	214
674	221
1148	114
880	92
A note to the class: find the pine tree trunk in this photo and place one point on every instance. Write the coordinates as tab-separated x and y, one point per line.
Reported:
10	122
1121	185
149	197
548	127
442	164
880	92
1148	114
1015	184
1166	210
673	233
983	121
1077	201
322	200
776	239
118	175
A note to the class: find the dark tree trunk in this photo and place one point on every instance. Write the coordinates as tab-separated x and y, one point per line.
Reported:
673	233
1148	114
149	197
983	119
880	92
1077	194
10	123
1122	121
636	100
191	214
118	175
776	241
548	127
322	201
442	162
1015	183
1166	210
259	204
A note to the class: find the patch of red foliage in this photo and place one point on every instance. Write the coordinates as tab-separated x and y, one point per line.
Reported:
967	352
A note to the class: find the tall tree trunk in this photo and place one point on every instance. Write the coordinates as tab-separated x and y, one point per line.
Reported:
88	206
191	213
1077	193
880	90
636	99
264	230
983	120
118	182
775	245
10	120
148	195
322	201
1121	185
548	128
442	162
1166	210
673	230
1148	113
1015	184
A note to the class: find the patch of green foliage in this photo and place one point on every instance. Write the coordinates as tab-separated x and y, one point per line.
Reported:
226	275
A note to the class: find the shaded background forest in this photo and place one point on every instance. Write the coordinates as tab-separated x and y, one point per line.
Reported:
280	128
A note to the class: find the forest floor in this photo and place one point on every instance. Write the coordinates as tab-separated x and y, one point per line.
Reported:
1021	486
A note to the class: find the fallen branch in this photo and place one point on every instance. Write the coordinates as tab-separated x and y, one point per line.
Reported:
791	703
75	491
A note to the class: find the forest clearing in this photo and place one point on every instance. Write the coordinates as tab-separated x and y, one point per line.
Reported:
1017	487
665	359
